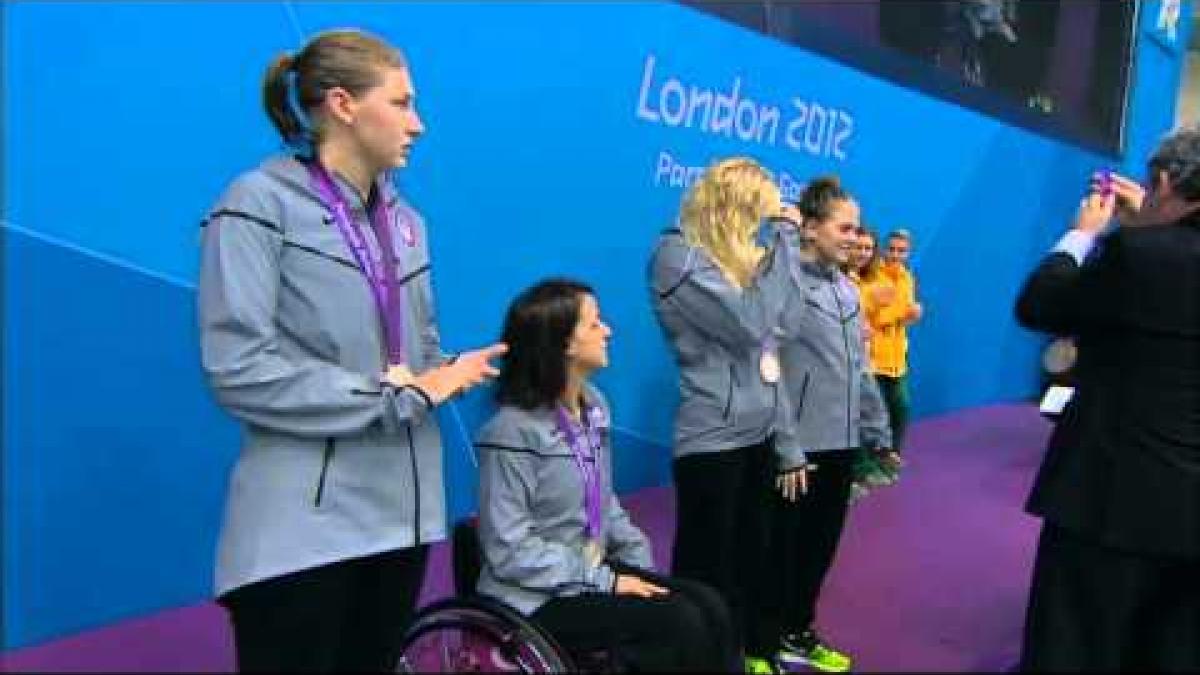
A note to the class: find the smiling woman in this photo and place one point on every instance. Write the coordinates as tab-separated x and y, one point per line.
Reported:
835	409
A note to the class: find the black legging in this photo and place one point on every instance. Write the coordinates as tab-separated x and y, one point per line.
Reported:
346	616
687	629
722	525
805	539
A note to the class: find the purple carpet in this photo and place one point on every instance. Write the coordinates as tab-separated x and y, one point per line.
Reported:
931	575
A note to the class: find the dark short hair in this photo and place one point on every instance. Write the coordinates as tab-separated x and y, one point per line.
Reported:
537	329
817	200
1179	156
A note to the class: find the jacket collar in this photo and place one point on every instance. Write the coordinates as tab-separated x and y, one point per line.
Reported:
808	264
292	170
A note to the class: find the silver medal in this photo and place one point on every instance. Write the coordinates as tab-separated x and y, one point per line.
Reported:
593	551
768	367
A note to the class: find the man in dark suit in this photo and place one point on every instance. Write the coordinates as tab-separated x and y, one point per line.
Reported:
1116	581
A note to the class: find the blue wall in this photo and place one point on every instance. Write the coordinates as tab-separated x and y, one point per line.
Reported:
549	151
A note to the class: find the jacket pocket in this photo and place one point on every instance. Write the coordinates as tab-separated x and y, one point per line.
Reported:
728	412
799	403
326	459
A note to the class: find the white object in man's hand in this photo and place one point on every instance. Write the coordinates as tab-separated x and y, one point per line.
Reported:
1056	399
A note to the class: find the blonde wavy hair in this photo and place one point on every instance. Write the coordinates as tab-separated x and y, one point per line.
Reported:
721	213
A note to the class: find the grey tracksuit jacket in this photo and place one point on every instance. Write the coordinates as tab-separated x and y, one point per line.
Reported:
333	465
717	333
833	401
532	514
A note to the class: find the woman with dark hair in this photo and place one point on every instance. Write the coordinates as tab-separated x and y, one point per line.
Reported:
317	333
836	409
864	257
871	469
557	545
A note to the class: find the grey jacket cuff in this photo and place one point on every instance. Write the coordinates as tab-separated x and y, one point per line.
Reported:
407	404
639	558
790	460
873	440
604	579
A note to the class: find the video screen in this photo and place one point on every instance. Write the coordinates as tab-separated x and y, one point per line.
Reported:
1060	67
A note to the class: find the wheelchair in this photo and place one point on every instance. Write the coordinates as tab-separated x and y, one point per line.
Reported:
471	633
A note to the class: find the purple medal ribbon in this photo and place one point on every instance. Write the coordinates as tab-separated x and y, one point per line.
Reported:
585	447
385	284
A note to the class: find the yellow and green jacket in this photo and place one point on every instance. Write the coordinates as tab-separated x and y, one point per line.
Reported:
887	340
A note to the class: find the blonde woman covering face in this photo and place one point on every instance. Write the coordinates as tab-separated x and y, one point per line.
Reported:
717	294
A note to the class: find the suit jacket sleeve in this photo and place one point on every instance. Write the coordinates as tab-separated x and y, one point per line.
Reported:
1062	297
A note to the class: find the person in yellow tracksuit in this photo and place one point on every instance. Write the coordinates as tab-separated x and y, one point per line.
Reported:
864	271
891	306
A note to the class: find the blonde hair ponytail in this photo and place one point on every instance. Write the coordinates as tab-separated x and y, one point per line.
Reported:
722	211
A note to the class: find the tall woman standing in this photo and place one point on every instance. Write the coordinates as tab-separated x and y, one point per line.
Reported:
318	334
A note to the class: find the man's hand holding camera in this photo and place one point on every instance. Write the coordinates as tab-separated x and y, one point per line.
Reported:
1113	195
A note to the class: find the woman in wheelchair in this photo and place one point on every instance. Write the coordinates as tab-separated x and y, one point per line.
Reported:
557	545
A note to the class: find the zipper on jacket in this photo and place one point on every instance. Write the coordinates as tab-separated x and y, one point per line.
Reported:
328	457
837	299
412	453
729	395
